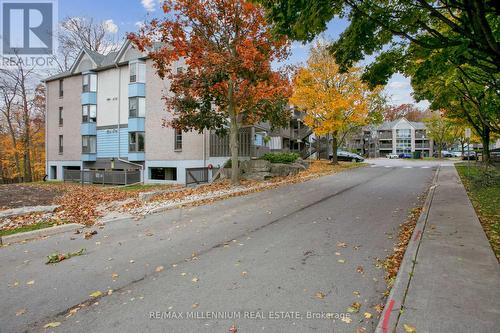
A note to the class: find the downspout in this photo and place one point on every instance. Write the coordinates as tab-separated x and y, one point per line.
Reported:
119	101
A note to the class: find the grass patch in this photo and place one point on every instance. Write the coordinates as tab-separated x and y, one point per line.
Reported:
31	227
483	188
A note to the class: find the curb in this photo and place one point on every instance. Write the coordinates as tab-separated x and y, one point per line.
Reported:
23	236
395	302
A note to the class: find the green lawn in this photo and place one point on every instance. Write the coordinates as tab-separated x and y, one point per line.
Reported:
483	188
31	227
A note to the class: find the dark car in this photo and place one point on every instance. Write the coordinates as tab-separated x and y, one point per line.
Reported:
405	155
347	156
469	155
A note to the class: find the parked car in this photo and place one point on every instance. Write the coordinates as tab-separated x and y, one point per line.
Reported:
456	154
391	156
471	155
347	156
405	155
446	153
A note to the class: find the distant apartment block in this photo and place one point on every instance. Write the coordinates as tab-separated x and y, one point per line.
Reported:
106	113
394	137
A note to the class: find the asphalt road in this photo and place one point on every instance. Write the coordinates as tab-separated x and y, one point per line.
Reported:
254	259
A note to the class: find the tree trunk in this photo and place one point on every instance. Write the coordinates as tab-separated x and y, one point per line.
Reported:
485	139
462	143
233	137
318	148
334	148
27	137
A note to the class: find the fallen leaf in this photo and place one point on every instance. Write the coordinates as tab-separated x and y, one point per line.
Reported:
96	294
233	329
319	295
89	234
52	324
341	261
368	315
20	312
410	329
183	274
341	244
354	308
244	273
347	320
360	330
356	293
337	253
379	308
30	282
114	275
195	279
159	269
132	261
195	305
360	269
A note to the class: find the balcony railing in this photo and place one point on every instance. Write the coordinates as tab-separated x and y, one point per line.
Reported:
422	145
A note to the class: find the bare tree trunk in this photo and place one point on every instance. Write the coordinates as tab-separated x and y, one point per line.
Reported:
334	148
16	153
28	177
233	136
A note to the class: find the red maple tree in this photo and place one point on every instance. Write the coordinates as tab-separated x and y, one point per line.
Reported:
227	79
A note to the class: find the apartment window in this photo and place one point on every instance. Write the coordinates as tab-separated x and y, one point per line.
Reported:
61	144
403	133
163	173
61	88
136	107
60	116
89	113
178	139
89	83
136	142
137	72
89	144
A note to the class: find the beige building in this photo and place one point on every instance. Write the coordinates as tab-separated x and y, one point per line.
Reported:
107	114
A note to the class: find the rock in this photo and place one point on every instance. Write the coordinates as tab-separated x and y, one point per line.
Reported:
258	176
280	169
27	210
302	162
259	166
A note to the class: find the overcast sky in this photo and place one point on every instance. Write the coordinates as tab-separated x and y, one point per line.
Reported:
122	16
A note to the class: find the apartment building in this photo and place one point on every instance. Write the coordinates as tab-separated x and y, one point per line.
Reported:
393	137
107	114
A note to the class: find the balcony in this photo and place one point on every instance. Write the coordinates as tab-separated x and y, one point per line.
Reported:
88	129
89	98
424	145
88	157
136	125
136	90
386	135
136	156
386	146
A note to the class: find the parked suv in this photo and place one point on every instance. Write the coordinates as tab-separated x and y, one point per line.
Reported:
347	156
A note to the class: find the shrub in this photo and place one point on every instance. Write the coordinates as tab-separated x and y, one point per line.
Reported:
280	157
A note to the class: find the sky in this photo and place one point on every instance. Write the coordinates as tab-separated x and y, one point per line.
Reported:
122	16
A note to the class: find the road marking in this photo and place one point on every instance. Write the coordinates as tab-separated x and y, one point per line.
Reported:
387	316
425	167
408	167
373	166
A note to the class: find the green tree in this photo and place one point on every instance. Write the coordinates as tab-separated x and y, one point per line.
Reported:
439	129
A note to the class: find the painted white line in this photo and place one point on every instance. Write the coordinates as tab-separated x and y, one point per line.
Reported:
408	167
387	166
373	166
425	167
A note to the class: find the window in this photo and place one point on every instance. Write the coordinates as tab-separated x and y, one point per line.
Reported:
61	144
178	139
89	144
403	133
163	173
89	113
137	72
61	88
60	116
136	107
89	83
136	142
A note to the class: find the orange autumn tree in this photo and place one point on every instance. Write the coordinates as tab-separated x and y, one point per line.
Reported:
334	103
227	80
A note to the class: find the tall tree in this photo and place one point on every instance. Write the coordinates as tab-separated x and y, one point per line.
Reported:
76	33
228	80
335	103
409	111
439	129
387	28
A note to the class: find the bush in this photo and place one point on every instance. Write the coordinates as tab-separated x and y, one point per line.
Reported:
280	157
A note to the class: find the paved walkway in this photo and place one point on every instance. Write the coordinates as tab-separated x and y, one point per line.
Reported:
456	281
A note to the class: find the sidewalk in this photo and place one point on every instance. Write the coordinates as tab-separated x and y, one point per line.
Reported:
455	285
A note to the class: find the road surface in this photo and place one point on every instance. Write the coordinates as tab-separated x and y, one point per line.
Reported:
265	262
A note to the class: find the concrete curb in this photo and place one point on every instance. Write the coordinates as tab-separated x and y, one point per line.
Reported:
395	302
27	210
23	236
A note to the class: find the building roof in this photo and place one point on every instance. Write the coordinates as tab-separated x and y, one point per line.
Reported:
389	125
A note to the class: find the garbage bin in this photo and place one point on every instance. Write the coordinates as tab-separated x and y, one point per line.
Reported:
417	155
